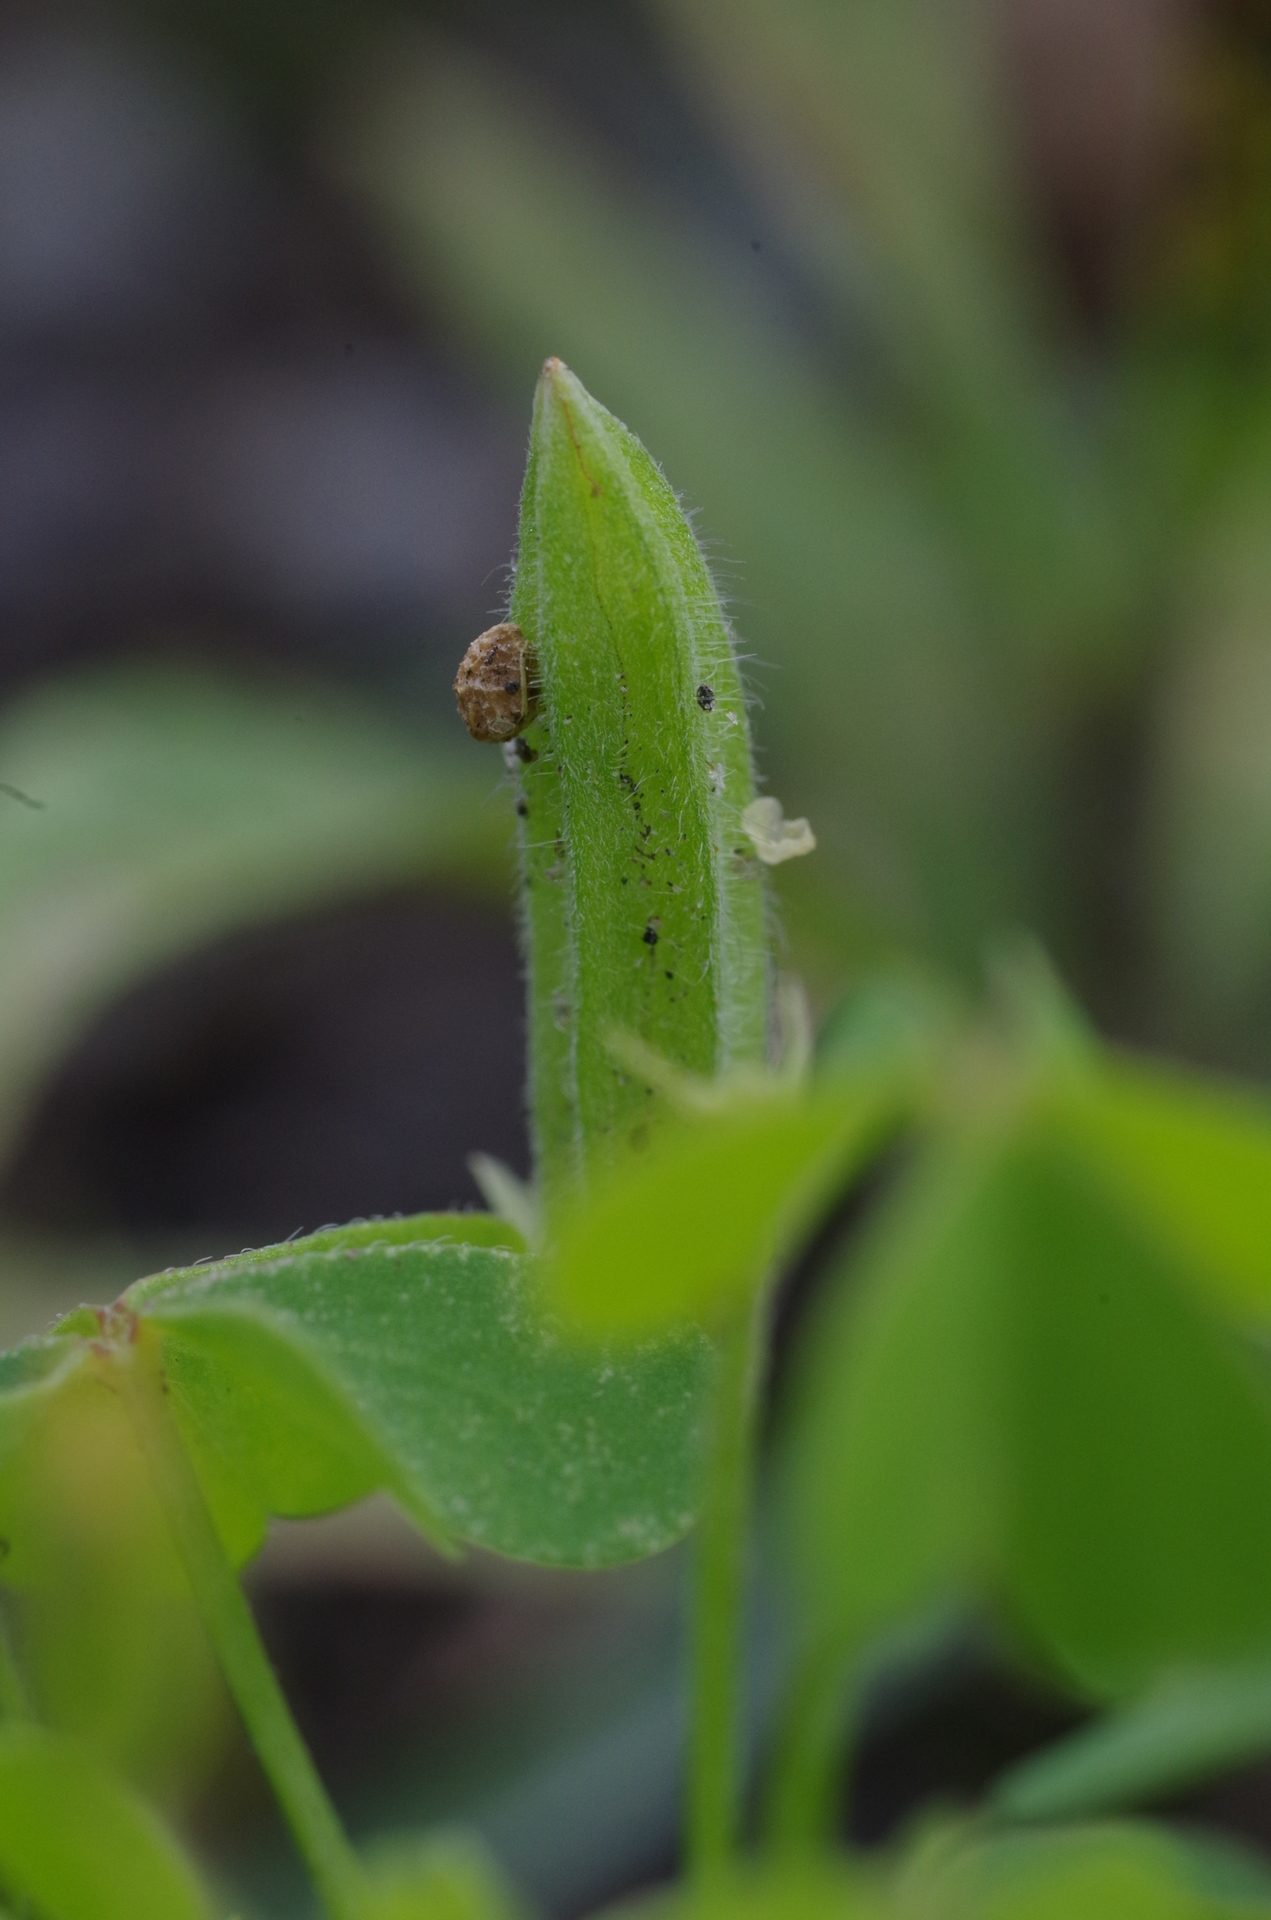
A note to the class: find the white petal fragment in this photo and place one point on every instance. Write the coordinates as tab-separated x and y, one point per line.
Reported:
776	838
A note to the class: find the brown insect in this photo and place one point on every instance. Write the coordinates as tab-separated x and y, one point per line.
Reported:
493	685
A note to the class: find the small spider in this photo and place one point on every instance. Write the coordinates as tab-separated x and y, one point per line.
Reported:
492	687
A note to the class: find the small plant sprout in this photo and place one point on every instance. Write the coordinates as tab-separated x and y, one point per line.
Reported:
644	918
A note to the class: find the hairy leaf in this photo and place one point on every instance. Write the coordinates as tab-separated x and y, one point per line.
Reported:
431	1370
643	903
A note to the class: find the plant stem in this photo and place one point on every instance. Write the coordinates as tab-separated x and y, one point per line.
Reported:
806	1777
717	1618
232	1631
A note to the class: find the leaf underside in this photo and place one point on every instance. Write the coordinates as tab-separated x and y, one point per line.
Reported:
306	1377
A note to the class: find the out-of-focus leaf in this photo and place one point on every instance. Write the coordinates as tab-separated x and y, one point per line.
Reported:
886	1019
1191	1158
696	1222
814	1890
879	135
1190	1727
77	1845
127	1671
445	1876
171	805
1107	1872
1019	1397
1208	829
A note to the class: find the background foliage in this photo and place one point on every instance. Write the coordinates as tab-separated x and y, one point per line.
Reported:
951	326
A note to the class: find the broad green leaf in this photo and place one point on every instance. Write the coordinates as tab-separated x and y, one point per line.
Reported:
1191	1157
696	1221
1018	1395
431	1370
891	1464
369	1357
472	1228
79	1846
171	805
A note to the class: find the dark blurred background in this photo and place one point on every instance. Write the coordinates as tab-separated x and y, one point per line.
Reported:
953	325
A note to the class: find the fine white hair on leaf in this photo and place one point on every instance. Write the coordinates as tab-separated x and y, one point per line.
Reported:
506	1194
773	836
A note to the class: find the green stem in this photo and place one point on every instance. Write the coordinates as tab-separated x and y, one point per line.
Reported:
717	1620
14	1704
806	1777
237	1644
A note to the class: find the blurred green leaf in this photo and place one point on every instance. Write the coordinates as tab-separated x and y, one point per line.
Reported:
1207	848
171	805
1190	1158
78	1845
1015	1394
443	1876
813	1890
886	1018
878	135
698	1219
1108	1872
1190	1726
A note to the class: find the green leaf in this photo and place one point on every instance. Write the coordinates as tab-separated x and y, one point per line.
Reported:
1189	1727
308	1375
174	805
1107	1872
698	1220
1017	1395
826	1889
1190	1157
304	1381
1110	1872
78	1845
